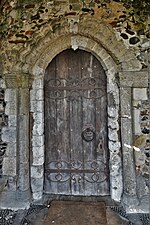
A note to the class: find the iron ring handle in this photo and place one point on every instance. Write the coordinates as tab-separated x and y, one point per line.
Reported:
85	136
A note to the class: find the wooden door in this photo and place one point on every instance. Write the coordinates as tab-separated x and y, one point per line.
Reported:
76	154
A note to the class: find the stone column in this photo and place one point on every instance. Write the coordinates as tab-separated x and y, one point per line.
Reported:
9	132
128	80
17	108
127	141
23	137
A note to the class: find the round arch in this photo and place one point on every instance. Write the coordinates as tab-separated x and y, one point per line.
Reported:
37	109
50	42
100	39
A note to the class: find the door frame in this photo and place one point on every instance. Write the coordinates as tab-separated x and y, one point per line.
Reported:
86	186
37	112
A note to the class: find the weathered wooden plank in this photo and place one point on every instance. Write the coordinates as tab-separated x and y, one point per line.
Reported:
74	74
101	144
88	120
101	130
50	127
63	147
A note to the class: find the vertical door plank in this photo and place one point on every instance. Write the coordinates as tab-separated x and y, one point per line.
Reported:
76	156
88	119
50	127
63	146
101	145
101	129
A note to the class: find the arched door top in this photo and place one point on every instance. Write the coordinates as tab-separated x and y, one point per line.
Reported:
88	30
37	109
76	142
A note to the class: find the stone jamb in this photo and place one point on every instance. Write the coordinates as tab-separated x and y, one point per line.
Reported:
16	168
133	86
127	141
38	72
9	133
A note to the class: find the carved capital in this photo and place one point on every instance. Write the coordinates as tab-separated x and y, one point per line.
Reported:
133	79
17	80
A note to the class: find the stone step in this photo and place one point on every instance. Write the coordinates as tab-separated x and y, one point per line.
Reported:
75	213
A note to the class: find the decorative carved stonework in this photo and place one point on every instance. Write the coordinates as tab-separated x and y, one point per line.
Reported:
133	79
17	80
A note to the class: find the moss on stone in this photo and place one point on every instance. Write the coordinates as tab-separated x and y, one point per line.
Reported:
28	1
138	9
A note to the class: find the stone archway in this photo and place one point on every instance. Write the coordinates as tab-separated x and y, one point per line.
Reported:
99	39
27	50
69	30
37	110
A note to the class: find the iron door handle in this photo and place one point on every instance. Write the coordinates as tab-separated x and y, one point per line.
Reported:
88	133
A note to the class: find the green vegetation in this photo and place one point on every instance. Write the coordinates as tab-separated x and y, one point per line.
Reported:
138	8
28	1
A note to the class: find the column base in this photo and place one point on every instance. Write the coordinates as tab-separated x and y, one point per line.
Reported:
133	204
15	200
